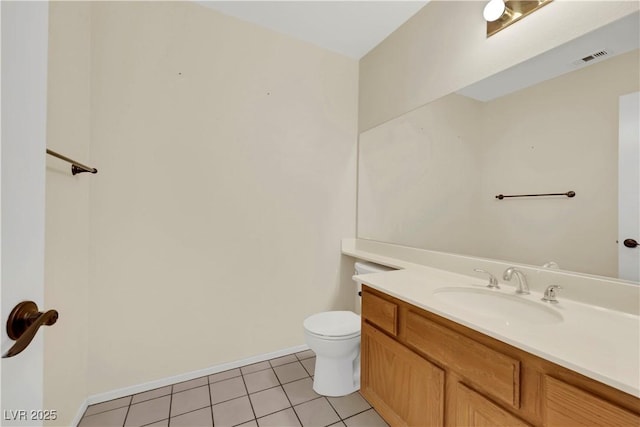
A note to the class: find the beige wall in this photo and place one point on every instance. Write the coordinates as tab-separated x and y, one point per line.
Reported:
67	210
223	150
452	156
227	160
444	48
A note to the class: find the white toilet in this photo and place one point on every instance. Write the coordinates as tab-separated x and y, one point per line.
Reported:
334	336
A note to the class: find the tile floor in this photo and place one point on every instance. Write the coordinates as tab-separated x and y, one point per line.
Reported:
276	393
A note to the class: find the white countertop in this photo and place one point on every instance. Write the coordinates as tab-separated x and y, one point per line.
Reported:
599	343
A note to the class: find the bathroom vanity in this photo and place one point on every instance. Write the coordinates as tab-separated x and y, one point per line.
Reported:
419	368
429	360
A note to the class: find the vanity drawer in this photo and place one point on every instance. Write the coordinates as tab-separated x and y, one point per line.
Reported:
380	312
494	373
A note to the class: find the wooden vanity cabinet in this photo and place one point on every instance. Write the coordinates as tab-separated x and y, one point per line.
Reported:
404	387
419	369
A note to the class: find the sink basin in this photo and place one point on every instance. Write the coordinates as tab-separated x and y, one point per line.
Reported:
495	305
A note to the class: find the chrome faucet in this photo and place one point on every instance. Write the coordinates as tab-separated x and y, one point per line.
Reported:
523	286
550	294
493	282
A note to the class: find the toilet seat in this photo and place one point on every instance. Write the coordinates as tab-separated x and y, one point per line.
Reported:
333	325
333	338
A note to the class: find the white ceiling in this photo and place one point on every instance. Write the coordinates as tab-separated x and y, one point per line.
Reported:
351	28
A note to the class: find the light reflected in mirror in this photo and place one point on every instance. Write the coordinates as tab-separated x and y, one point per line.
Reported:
429	178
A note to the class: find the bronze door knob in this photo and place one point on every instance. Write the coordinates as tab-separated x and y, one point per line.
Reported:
23	323
630	243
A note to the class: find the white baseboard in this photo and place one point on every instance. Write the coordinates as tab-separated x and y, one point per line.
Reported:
139	388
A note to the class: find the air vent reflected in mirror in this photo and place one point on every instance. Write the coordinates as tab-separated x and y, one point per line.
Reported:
592	58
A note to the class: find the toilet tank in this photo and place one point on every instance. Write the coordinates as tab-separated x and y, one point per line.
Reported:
366	267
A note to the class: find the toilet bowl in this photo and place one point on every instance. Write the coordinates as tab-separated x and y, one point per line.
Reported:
334	336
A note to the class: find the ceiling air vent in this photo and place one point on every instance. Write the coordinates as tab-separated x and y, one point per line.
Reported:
595	56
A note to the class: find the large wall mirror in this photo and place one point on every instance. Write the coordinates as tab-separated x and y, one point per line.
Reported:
429	178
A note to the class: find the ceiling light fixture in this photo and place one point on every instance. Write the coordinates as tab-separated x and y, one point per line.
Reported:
494	10
499	14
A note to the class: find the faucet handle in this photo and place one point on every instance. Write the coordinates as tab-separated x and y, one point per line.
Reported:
493	282
550	294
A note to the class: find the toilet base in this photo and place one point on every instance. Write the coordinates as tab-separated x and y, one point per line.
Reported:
336	377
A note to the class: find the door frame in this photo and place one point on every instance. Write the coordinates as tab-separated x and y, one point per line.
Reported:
23	91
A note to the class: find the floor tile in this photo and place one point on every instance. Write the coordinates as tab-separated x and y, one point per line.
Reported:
261	380
151	394
190	400
186	385
305	354
286	418
227	390
368	418
316	412
300	391
269	401
190	403
148	412
221	376
200	418
112	418
283	360
349	405
107	406
309	365
255	367
232	412
290	372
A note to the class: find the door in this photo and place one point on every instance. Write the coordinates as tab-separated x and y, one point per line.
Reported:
629	187
566	405
22	173
474	410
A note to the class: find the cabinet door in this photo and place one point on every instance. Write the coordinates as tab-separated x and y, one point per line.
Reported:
568	405
405	388
474	410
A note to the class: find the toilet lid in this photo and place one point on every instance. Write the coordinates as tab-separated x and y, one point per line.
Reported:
333	323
